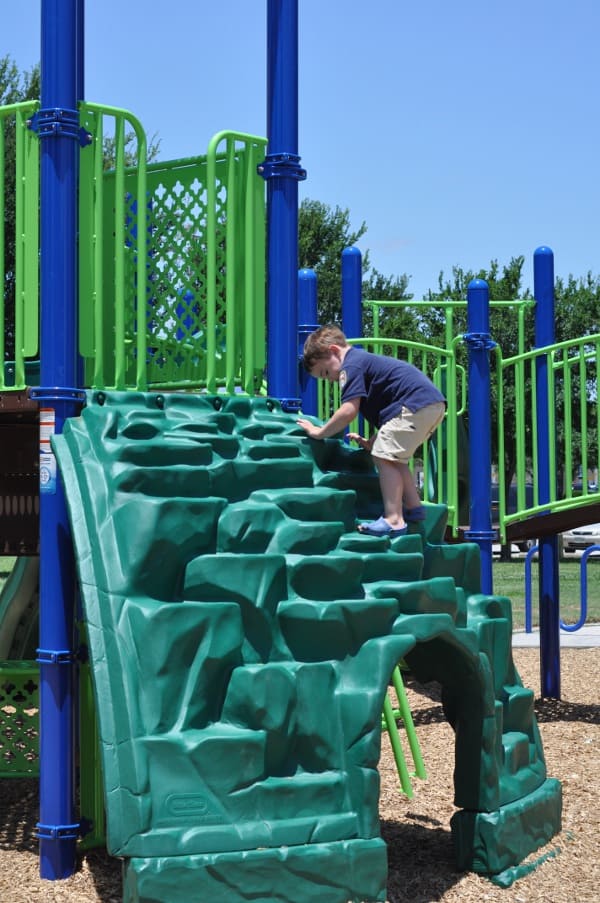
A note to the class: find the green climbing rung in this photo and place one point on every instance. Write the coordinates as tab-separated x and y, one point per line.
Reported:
389	721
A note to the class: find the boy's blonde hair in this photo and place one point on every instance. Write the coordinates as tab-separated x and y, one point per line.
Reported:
317	345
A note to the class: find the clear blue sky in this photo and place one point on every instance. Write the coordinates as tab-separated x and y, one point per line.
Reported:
460	132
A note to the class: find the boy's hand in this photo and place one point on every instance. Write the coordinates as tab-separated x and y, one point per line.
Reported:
367	444
312	429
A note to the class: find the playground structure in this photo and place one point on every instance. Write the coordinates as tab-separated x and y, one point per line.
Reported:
205	505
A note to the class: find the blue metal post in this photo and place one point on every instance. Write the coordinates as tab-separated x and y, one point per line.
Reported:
58	127
543	289
479	345
307	323
282	172
352	293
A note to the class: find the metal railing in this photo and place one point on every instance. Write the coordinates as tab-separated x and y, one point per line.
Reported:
572	373
19	251
439	456
172	282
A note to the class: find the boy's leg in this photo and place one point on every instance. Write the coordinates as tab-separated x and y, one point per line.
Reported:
411	499
391	483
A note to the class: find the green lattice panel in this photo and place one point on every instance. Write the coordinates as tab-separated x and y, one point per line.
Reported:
176	316
19	719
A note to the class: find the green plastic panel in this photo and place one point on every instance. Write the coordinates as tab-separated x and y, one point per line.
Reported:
242	635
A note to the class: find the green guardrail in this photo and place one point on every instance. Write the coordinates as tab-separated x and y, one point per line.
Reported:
19	249
573	412
439	457
172	273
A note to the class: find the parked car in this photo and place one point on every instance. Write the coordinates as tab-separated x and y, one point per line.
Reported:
577	487
581	537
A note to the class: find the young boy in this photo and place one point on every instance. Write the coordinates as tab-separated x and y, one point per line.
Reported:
394	397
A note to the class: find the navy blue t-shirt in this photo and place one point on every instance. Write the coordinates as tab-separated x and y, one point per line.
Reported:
384	385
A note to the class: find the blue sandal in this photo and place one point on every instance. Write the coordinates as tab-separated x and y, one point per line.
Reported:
380	527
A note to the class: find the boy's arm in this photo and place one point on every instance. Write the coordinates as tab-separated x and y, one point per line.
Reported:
338	421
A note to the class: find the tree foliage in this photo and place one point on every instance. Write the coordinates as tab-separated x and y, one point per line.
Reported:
130	150
323	233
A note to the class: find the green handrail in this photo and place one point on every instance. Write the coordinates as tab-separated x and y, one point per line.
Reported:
244	327
573	365
26	239
172	263
440	365
109	303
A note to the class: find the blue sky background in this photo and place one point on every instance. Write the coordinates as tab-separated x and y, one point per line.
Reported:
459	132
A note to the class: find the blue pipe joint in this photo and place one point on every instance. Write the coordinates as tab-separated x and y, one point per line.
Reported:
57	122
58	832
481	535
479	341
57	393
55	656
290	405
281	166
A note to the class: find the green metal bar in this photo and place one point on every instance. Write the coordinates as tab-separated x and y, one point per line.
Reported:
568	421
91	240
143	240
250	287
597	371
398	752
119	253
552	426
520	419
19	260
123	342
501	446
29	150
254	246
231	325
584	423
409	726
2	274
99	298
26	237
211	263
534	429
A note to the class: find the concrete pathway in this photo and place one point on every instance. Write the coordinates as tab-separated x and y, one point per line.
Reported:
586	636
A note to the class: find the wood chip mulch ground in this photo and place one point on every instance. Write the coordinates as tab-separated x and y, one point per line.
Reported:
421	861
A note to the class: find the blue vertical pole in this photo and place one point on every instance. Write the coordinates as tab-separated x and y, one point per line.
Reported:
307	323
58	127
479	345
543	289
352	293
282	172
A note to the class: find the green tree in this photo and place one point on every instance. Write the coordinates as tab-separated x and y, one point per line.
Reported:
130	150
394	322
323	233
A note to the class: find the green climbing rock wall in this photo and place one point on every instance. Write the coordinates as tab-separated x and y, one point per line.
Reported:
242	634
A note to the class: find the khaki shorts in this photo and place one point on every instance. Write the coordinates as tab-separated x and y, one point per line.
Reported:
400	437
